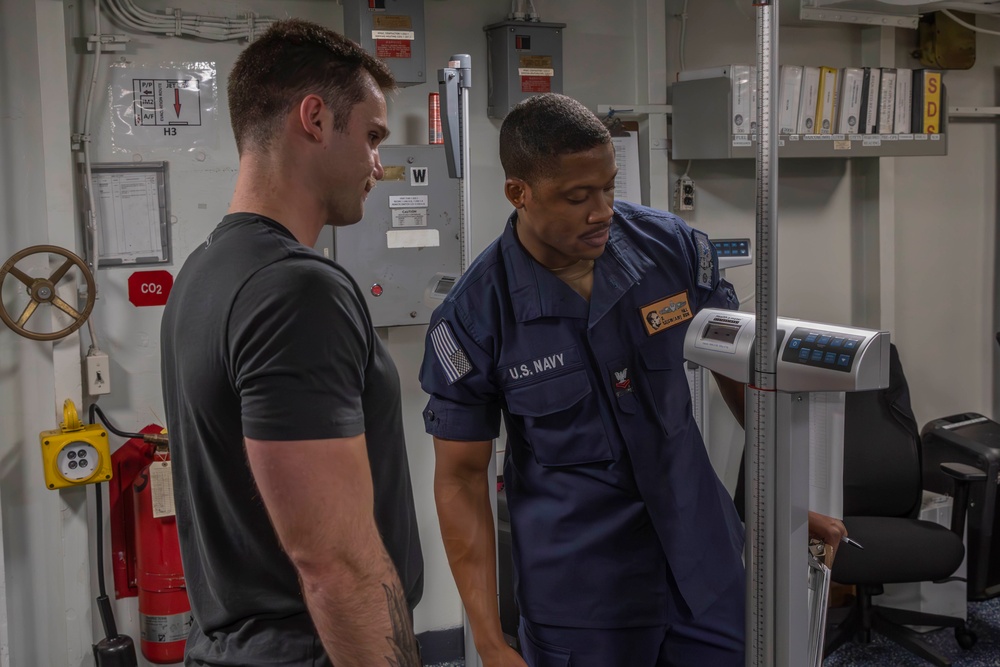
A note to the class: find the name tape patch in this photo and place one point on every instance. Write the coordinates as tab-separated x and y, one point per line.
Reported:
660	315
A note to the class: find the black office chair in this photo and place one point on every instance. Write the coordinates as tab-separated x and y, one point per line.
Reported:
882	497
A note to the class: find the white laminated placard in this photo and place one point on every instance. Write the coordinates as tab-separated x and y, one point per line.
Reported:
171	106
412	238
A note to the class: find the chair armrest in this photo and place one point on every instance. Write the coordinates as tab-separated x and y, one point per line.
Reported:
961	472
963	475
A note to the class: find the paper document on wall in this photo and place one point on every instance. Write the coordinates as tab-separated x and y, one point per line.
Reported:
627	185
826	453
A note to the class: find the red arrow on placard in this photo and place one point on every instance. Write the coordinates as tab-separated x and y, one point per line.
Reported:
177	102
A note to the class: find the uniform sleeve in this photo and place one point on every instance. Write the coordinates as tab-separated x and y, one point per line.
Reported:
299	344
712	290
458	374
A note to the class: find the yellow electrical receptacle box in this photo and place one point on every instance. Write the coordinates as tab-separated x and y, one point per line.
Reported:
75	453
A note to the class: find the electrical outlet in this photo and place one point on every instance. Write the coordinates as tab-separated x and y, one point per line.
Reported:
685	194
98	374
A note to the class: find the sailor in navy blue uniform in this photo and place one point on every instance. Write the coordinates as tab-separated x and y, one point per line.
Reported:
627	547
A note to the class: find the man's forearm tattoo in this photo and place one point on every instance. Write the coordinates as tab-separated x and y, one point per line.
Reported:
402	641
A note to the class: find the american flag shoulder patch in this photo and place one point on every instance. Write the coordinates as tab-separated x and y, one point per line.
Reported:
454	362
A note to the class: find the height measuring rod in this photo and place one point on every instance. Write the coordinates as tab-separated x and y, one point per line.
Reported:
454	82
762	423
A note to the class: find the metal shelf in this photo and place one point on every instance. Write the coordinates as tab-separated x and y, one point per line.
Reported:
861	12
702	130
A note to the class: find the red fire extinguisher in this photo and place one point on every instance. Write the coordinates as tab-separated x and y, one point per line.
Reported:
164	609
146	551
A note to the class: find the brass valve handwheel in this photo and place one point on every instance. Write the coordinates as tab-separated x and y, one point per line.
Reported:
43	290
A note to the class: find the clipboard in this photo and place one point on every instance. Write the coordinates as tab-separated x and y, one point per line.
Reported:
818	591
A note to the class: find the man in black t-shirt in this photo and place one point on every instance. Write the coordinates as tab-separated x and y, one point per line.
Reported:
294	503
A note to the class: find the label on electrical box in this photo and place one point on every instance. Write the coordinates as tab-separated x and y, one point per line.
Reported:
393	48
409	217
535	71
394	173
536	74
392	22
393	36
161	489
407	201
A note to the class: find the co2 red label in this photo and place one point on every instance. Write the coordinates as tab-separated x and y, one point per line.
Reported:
149	288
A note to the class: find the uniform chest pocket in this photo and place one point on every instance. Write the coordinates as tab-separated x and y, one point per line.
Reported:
561	420
663	371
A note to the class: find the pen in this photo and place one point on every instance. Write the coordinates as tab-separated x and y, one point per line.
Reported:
853	543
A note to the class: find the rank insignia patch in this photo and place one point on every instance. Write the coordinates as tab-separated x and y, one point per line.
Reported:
621	382
659	316
706	265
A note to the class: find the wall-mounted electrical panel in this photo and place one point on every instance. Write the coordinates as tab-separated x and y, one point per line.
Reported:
406	252
524	59
393	31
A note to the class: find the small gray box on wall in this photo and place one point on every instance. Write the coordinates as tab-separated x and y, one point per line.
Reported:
393	31
524	59
405	253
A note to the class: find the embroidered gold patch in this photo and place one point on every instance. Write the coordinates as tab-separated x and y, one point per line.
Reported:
665	313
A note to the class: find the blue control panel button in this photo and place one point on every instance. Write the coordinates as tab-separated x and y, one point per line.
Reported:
824	340
817	355
804	353
811	338
795	343
851	343
837	342
844	360
830	358
732	248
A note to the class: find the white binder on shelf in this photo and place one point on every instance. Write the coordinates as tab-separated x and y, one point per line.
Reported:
887	101
849	100
788	102
809	100
904	100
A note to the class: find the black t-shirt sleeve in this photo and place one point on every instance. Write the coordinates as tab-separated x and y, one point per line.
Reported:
299	343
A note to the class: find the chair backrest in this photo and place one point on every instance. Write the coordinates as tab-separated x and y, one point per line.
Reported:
882	474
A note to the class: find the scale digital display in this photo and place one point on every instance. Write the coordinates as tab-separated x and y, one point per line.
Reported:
721	331
822	349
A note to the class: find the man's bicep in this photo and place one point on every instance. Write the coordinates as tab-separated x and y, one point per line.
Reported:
462	458
299	345
317	492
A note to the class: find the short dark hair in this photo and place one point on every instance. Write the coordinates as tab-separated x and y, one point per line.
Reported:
292	59
542	128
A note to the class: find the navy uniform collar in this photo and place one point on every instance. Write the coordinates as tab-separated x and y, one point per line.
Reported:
536	292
